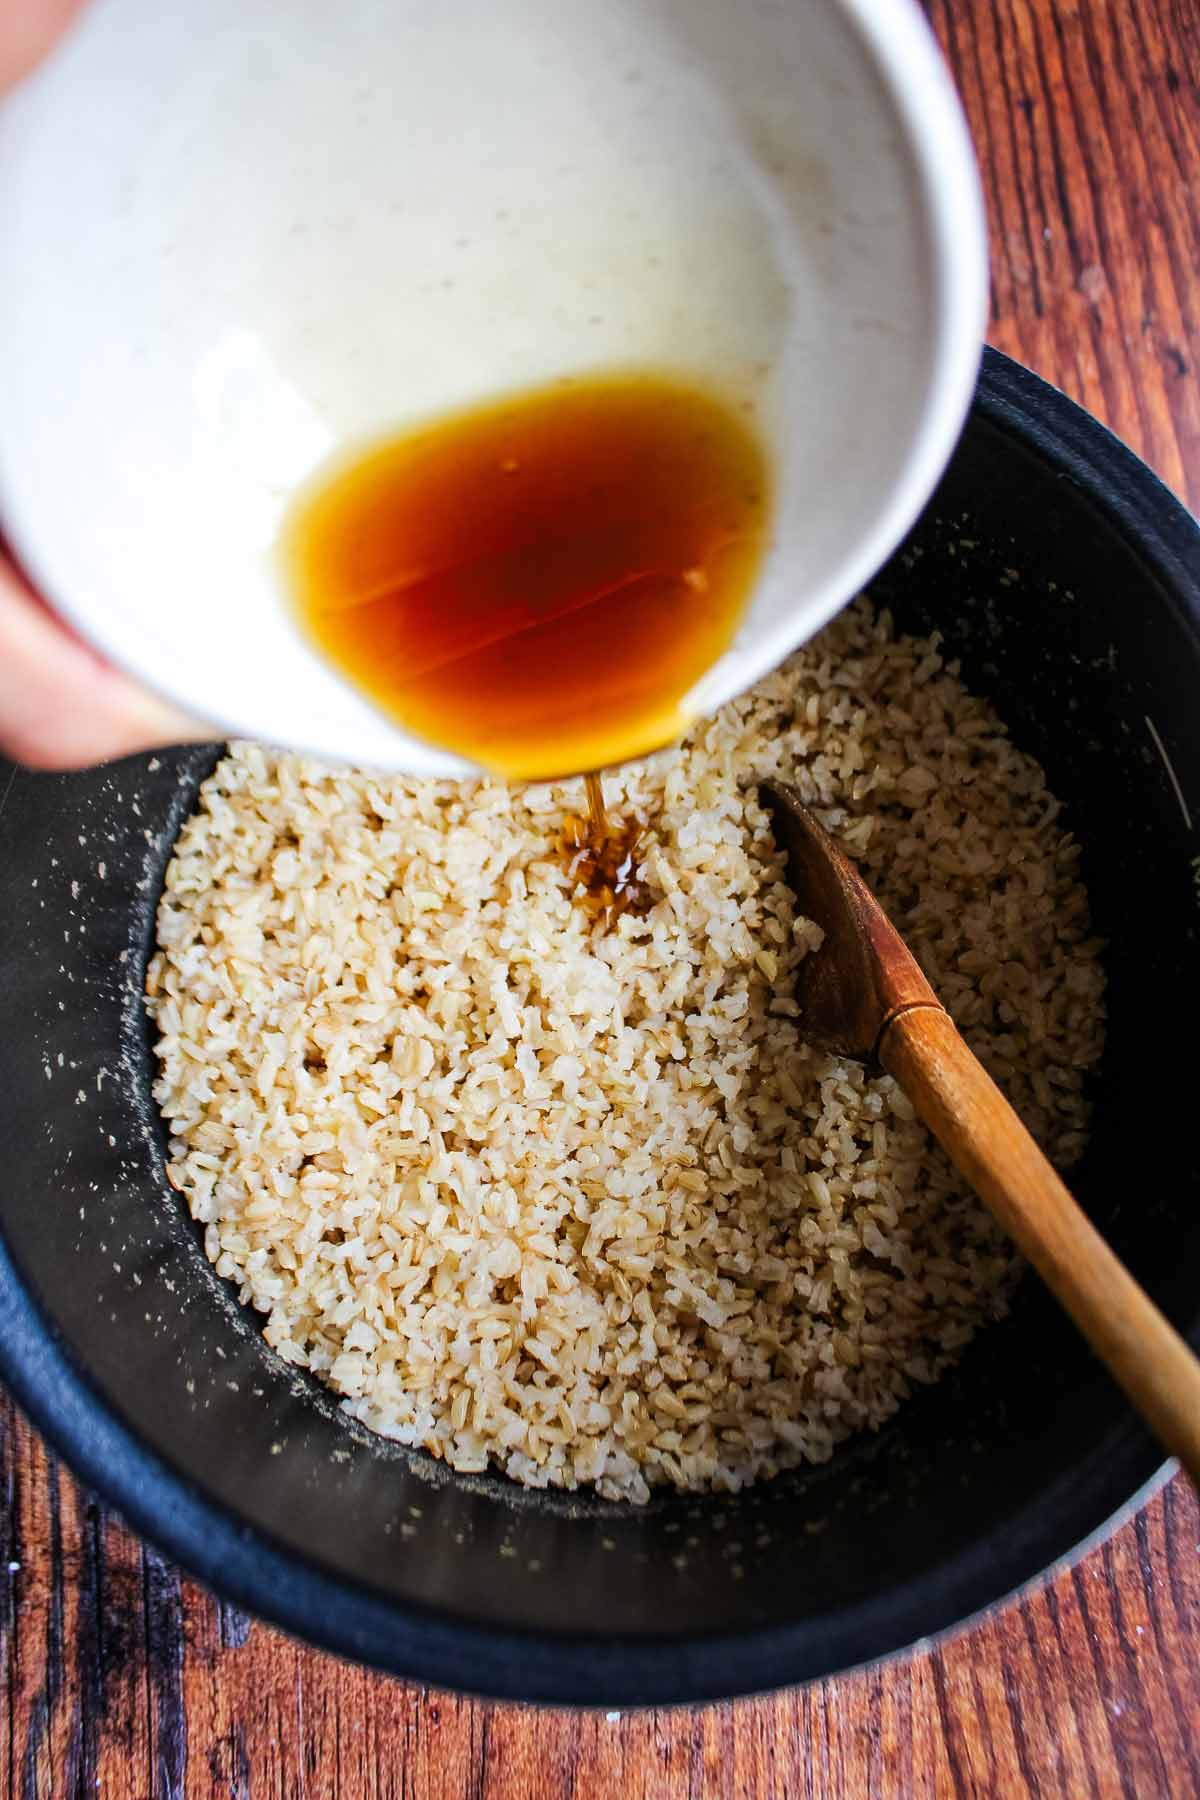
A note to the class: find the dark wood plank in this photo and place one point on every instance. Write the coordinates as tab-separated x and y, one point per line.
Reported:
120	1679
124	1680
1086	118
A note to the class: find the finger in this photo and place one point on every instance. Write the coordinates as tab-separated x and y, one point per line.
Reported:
28	30
61	705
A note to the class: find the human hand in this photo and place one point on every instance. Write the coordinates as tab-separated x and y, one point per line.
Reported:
61	704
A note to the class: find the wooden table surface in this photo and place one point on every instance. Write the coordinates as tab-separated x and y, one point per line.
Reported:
122	1678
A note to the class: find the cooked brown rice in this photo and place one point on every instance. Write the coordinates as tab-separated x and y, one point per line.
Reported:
584	1205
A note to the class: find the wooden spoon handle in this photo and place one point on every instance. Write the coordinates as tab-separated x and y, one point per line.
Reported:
985	1139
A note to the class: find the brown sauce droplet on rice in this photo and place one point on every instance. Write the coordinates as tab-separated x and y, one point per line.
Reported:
602	858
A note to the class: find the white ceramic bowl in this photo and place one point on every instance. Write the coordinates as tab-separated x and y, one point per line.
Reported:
239	236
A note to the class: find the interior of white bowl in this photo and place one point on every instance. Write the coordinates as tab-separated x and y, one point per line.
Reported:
240	238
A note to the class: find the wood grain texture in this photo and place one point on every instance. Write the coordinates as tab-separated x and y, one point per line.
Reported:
119	1678
1086	119
127	1681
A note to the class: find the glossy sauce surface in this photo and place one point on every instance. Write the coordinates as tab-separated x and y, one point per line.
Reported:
538	583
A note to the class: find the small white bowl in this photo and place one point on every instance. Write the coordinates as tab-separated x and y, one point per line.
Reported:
240	236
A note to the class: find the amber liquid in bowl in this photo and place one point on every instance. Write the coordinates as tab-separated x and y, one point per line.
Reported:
538	583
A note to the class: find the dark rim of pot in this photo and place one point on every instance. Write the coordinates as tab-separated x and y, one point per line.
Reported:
261	1574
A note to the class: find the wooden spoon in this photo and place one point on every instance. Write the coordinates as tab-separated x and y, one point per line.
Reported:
862	995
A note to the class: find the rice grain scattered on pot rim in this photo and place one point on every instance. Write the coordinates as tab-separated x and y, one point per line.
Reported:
584	1205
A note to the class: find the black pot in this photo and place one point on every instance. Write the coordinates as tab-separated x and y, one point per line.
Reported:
1068	580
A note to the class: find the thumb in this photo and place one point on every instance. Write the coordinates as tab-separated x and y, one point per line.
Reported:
61	705
28	30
